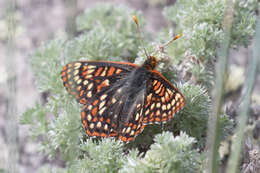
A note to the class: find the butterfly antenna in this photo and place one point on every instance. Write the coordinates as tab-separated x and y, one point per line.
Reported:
140	35
172	40
161	48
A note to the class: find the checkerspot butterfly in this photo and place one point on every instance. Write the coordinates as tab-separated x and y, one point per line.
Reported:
121	98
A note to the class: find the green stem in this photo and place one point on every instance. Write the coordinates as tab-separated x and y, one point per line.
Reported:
234	160
217	95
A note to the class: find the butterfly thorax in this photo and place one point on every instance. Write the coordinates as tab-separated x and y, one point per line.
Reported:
150	63
138	78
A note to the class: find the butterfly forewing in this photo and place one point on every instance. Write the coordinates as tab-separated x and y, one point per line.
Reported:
84	79
163	100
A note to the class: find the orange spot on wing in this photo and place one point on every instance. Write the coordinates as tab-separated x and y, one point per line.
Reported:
147	104
130	139
104	135
145	120
151	115
157	86
118	71
149	97
98	71
101	119
95	134
88	133
64	68
162	91
94	111
64	79
83	101
157	119
84	73
81	93
95	119
79	88
113	134
83	115
63	73
123	138
85	124
111	71
95	102
103	84
108	121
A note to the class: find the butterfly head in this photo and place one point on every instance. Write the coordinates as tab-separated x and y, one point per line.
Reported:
150	63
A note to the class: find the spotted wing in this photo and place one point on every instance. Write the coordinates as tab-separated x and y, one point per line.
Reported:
104	115
163	100
84	79
134	125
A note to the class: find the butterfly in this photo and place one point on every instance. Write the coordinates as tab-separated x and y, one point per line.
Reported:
120	98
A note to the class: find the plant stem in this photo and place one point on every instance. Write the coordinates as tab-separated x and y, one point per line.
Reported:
234	159
217	95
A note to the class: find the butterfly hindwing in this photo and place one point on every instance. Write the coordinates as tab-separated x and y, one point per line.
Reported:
108	115
163	100
134	125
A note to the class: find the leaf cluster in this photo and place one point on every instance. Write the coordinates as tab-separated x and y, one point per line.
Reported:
201	24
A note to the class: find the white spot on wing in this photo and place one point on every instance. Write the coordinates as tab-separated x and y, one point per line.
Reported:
128	130
77	65
76	72
92	125
99	124
89	117
85	82
103	96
